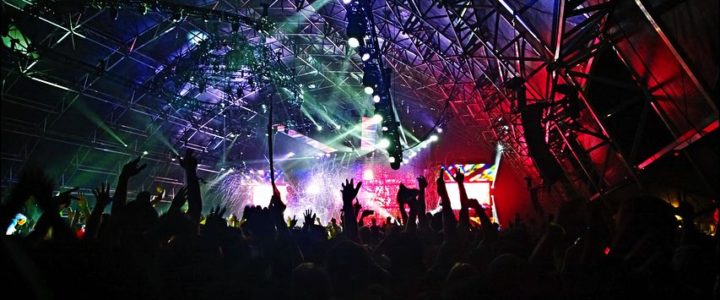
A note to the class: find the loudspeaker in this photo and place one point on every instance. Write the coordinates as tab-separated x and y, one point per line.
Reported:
530	116
535	138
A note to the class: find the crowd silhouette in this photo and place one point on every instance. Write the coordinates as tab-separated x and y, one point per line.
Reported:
133	252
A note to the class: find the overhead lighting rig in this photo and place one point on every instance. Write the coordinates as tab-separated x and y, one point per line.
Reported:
362	36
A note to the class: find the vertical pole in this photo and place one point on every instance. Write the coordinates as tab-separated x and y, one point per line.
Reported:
270	140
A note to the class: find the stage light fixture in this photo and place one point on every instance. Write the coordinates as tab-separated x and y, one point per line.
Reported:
145	153
319	128
365	56
353	42
357	24
369	90
346	2
433	138
377	119
439	130
384	128
376	98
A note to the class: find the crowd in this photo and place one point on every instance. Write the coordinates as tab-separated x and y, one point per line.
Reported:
643	252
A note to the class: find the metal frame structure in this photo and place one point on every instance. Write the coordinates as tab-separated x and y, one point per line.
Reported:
440	51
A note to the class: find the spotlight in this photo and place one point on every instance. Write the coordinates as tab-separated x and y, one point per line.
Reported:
376	98
346	2
365	56
384	144
377	119
353	42
357	24
384	128
319	128
369	90
145	153
433	138
391	159
368	174
439	130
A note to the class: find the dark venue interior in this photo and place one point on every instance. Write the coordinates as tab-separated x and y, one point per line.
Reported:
360	149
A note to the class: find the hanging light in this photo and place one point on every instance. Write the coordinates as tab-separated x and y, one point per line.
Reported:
353	42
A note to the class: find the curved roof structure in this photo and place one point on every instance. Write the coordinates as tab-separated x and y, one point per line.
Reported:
622	84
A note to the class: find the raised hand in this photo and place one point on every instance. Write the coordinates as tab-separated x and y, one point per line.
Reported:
132	168
179	199
459	176
422	182
309	217
189	162
292	221
102	195
349	190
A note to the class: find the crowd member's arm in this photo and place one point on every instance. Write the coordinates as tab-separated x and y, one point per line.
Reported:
129	170
102	199
489	232
349	193
422	218
51	206
190	163
178	201
309	219
464	211
410	224
449	221
401	204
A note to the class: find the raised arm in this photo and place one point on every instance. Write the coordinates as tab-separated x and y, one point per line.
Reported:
422	218
129	170
349	193
464	210
449	221
190	163
102	199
